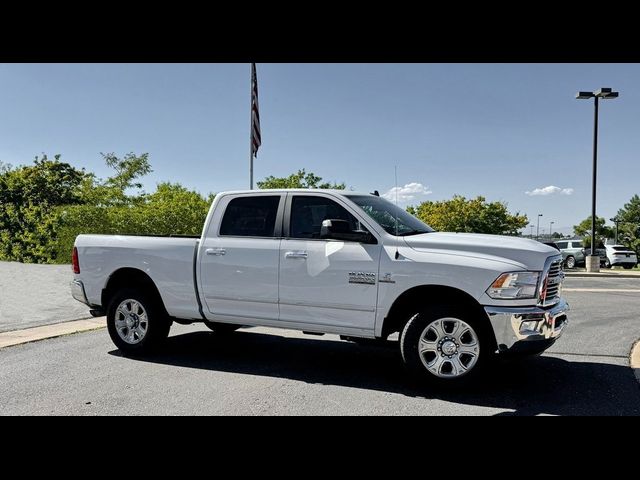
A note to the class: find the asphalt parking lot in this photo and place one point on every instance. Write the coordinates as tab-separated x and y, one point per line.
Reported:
267	371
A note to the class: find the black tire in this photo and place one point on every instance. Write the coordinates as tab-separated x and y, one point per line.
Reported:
418	324
222	327
628	267
607	263
158	322
570	262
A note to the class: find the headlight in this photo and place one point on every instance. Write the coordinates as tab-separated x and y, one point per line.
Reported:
515	286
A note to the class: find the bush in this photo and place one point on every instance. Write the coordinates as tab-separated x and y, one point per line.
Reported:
171	209
29	196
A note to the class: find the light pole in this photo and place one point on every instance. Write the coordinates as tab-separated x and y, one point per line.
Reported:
550	230
605	94
531	231
538	229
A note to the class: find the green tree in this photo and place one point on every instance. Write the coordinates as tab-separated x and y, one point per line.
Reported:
629	233
583	229
35	201
301	179
29	197
116	189
470	215
46	181
171	210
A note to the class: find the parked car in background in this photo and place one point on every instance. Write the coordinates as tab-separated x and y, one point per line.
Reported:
620	255
572	252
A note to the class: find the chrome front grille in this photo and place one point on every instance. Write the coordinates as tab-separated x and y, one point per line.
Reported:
553	283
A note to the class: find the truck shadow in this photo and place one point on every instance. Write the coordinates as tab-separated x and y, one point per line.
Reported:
540	385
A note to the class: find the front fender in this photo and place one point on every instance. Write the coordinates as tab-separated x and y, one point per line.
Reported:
469	274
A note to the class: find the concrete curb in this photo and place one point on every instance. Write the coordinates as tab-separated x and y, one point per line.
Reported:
28	335
634	359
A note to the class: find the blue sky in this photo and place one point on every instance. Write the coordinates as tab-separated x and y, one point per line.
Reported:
498	130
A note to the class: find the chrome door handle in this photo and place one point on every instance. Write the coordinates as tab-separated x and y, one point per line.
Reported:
296	254
215	251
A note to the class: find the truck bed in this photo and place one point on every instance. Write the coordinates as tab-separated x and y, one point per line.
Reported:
168	261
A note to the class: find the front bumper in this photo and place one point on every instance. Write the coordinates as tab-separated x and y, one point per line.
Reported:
514	326
77	292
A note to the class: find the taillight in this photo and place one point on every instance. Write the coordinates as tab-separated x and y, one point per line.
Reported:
74	261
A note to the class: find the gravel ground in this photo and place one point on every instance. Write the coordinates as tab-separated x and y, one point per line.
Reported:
34	295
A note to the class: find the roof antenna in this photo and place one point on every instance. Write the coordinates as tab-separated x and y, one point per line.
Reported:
396	175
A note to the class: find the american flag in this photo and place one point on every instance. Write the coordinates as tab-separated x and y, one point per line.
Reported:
256	139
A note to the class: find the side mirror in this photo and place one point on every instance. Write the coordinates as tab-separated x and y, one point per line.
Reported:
341	230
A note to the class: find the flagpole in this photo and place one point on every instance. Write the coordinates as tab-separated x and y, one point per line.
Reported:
251	127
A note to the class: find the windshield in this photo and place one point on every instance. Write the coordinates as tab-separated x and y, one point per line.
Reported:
385	213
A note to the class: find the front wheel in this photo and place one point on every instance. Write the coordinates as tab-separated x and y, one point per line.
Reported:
445	346
607	263
136	321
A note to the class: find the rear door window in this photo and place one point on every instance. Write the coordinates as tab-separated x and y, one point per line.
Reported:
252	216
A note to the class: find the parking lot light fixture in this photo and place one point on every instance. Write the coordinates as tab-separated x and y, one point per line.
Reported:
538	229
605	94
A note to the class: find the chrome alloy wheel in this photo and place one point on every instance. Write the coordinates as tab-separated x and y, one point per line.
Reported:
449	347
131	321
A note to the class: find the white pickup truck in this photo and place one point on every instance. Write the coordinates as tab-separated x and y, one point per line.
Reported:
330	261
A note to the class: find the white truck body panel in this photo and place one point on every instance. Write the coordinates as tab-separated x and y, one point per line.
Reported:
316	288
167	260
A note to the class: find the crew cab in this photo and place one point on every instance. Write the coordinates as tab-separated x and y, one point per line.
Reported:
330	262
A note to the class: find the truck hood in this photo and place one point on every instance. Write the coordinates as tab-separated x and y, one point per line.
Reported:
519	252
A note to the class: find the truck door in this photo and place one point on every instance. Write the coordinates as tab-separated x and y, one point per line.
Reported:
328	282
239	256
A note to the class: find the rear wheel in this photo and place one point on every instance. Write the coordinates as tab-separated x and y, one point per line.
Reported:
136	321
570	262
628	267
445	345
607	263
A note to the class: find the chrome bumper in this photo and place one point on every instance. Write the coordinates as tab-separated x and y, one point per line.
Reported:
515	325
77	291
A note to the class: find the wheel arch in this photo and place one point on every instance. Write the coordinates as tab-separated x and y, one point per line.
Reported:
405	304
128	277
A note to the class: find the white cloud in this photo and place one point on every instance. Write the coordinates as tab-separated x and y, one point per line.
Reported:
550	190
407	193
